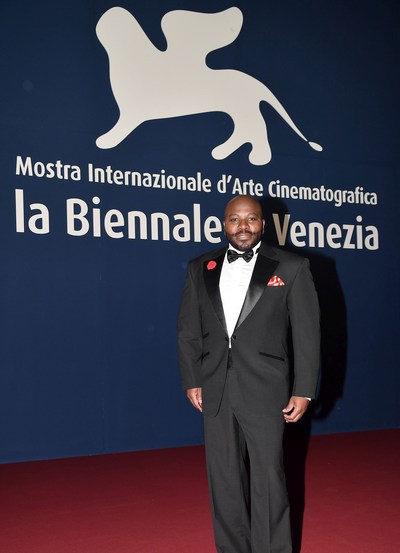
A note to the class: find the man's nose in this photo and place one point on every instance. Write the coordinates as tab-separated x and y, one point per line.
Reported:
243	224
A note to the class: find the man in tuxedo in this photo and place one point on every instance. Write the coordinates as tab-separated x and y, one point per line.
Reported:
237	309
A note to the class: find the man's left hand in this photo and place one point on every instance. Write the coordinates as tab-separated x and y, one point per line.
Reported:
295	409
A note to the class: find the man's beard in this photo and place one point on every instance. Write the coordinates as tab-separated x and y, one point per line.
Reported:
249	238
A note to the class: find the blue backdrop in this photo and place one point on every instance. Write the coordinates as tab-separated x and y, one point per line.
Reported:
89	302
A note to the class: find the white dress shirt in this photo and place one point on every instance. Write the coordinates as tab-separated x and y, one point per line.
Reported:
233	284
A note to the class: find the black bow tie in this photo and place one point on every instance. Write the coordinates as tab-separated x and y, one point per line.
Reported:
232	255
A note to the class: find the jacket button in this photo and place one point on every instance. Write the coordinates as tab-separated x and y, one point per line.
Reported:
226	339
234	336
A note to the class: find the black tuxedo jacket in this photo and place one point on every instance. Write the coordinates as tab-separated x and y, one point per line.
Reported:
260	340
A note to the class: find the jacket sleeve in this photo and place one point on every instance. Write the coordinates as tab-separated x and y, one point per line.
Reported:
305	323
190	342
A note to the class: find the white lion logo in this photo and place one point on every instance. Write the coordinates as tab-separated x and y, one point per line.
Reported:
152	84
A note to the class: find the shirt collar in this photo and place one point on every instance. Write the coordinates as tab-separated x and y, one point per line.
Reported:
255	249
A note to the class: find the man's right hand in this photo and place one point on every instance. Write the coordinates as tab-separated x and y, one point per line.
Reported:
195	398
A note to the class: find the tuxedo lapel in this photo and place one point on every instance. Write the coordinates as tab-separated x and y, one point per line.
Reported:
264	269
212	275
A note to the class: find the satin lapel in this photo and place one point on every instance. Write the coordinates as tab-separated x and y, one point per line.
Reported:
264	269
211	279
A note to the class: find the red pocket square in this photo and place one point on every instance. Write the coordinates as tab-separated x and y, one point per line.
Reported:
275	281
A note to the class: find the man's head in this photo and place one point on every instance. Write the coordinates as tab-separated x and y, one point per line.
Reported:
243	222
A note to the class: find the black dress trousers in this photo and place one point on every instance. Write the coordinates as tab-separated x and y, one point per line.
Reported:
249	502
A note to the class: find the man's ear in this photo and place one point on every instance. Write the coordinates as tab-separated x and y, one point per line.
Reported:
263	226
223	222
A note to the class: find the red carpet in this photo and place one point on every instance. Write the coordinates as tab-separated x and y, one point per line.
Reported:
156	501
